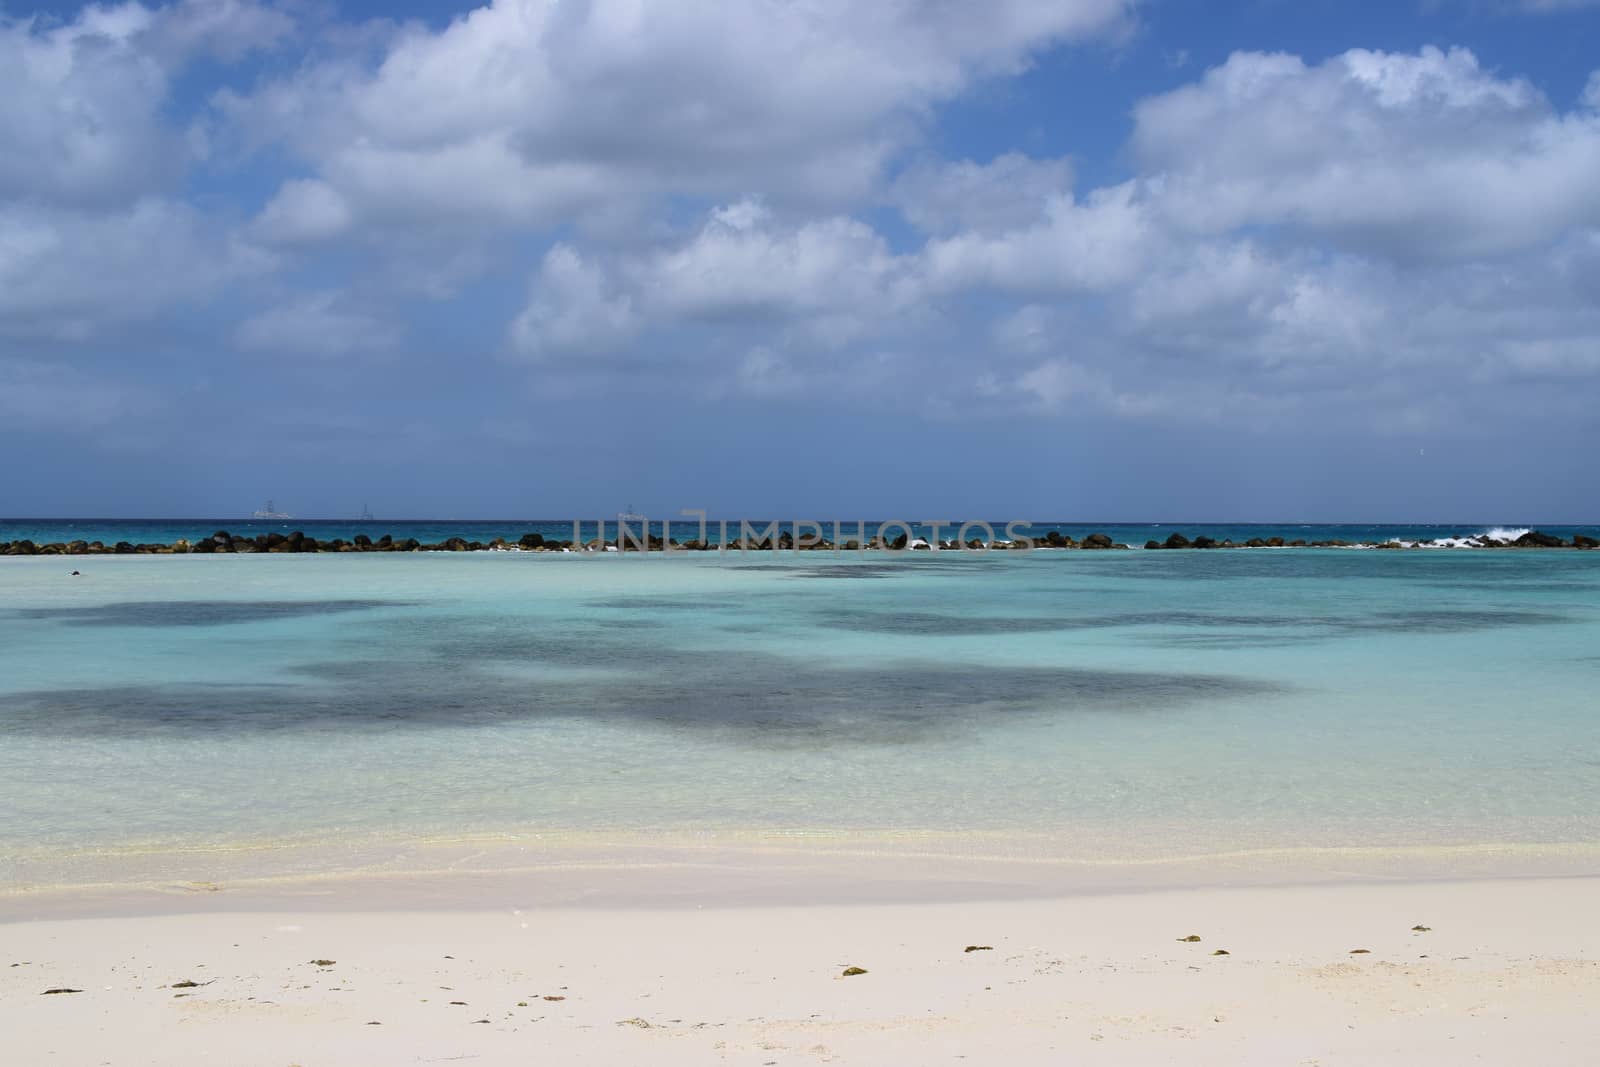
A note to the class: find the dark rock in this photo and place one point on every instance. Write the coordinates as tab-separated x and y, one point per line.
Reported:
123	548
1098	540
1205	542
1153	545
361	541
1177	540
1583	541
1538	539
1255	542
532	540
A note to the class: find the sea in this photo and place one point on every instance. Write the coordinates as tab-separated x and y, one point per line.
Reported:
159	711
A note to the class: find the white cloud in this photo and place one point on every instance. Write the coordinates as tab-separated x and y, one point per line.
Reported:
747	263
94	229
1407	156
304	210
1010	191
525	111
1031	328
74	274
317	324
1098	243
572	308
82	102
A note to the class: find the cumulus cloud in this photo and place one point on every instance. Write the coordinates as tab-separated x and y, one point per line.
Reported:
572	309
745	262
1100	242
525	111
1407	156
82	102
72	274
744	199
316	324
95	230
1012	190
832	280
304	210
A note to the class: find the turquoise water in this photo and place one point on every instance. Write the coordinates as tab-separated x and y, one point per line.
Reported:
1134	702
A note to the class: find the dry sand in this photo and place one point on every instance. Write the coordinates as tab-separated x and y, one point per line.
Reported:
1508	971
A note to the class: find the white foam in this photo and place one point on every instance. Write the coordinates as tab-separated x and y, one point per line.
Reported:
1506	533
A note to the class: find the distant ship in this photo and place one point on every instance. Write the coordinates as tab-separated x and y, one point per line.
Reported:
271	512
366	514
630	516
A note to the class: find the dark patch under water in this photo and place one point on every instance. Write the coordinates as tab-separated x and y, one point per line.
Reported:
140	613
664	603
760	699
935	624
1291	629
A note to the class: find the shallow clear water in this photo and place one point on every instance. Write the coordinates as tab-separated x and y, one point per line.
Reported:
1132	702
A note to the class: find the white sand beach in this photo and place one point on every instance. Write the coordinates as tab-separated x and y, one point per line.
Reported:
456	970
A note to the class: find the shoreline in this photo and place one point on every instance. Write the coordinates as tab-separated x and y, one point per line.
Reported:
614	871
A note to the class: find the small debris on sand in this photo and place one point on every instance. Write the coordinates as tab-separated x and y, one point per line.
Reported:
978	948
1222	952
1420	929
851	972
63	989
1191	938
323	963
1361	952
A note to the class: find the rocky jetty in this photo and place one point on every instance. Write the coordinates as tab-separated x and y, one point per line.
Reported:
784	541
1531	539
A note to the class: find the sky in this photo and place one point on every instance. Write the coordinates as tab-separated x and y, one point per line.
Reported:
1242	260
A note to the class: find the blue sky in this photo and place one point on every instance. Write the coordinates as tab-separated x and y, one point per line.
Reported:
1053	259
